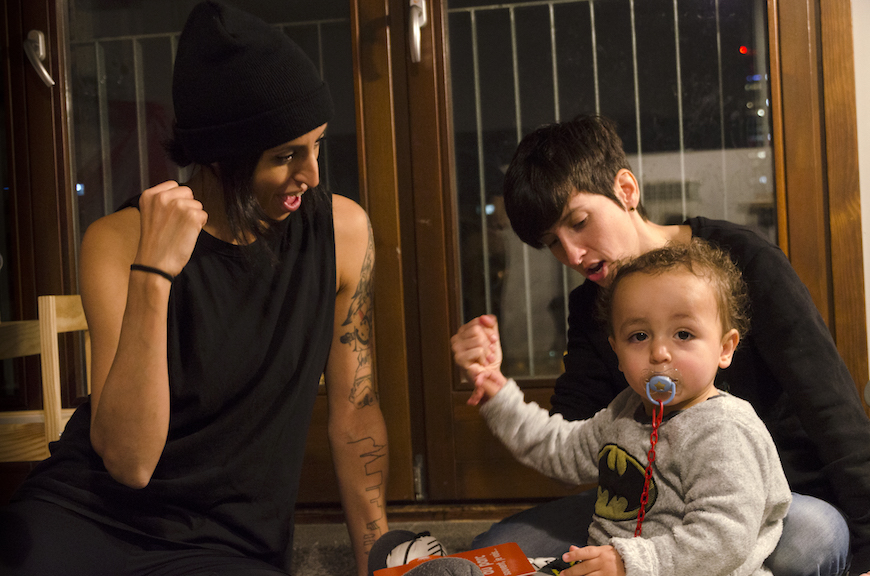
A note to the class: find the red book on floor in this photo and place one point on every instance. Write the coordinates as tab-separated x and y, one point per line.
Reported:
501	560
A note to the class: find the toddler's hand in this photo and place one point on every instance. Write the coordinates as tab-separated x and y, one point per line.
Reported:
486	385
603	560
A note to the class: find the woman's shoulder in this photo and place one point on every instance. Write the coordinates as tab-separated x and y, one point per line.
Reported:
347	211
119	230
354	244
745	245
724	231
351	221
108	248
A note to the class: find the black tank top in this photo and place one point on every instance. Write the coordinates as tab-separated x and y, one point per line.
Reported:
248	341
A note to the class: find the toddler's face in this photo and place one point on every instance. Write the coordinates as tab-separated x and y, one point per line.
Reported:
670	321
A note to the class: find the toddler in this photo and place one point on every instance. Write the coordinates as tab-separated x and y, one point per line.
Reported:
689	468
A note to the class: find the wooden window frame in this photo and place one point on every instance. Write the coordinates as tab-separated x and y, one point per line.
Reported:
816	163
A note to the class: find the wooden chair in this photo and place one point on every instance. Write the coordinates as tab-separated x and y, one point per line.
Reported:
25	434
59	315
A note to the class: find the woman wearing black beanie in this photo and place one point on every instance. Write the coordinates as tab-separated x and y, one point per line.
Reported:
214	307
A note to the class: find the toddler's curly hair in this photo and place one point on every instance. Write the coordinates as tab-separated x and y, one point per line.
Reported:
701	259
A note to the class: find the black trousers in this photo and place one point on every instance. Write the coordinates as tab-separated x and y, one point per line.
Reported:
43	539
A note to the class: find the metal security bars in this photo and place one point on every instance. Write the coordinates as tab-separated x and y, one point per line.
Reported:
687	83
121	112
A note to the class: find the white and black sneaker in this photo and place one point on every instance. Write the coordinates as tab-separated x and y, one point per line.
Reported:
422	545
398	547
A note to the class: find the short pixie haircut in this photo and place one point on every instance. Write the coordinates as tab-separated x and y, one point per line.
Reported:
584	154
701	259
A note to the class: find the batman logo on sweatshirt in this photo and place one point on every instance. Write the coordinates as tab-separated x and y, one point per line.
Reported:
620	485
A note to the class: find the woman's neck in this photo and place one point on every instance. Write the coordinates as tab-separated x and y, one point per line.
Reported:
653	236
206	188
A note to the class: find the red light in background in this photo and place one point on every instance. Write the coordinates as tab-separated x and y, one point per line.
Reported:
744	50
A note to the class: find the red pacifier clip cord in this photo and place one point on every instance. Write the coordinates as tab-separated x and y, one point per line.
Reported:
655	384
651	458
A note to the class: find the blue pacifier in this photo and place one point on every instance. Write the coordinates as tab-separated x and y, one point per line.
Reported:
660	384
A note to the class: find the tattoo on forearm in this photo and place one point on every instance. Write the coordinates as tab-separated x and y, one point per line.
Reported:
371	453
358	336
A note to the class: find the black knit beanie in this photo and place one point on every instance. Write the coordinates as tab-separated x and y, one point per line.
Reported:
241	86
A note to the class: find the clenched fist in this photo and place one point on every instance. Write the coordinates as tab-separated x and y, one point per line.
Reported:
171	220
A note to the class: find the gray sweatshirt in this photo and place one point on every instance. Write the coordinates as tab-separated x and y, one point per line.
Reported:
718	493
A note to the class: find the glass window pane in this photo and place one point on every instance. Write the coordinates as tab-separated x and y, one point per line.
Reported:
121	58
687	84
9	384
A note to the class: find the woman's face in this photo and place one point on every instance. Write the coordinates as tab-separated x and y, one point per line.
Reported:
592	234
285	172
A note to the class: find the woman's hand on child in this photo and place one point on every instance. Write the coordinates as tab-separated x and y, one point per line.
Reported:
477	350
603	560
477	346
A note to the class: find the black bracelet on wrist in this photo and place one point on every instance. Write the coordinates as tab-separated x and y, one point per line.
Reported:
152	270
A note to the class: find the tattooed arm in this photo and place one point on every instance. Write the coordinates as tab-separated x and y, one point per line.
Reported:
357	432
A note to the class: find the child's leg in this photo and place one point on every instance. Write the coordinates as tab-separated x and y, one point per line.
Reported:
546	530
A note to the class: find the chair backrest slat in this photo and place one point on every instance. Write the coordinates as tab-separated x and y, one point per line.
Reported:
19	338
69	313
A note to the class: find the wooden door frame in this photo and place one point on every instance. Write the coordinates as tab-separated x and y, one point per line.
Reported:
818	206
42	235
816	163
38	166
432	219
380	166
41	258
